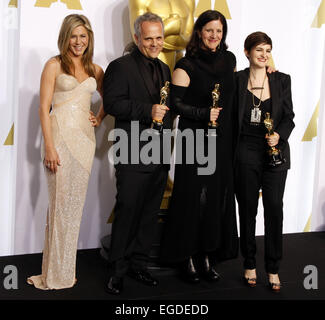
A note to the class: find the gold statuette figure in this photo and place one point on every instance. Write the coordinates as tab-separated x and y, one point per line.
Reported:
275	154
213	125
164	91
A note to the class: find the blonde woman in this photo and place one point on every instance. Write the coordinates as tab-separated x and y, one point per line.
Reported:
67	84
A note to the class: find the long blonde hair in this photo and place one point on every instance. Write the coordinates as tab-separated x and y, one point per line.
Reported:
69	23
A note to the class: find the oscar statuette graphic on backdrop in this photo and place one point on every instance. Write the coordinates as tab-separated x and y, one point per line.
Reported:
71	4
13	3
219	5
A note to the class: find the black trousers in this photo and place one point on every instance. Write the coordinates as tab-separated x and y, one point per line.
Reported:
138	200
249	179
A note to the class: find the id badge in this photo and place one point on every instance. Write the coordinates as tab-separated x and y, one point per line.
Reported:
256	114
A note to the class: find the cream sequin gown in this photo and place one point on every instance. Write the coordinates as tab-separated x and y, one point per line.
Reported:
74	140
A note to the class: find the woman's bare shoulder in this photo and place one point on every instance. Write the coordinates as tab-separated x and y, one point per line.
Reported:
52	66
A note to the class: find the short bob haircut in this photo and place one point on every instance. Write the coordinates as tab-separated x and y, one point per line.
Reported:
195	42
256	38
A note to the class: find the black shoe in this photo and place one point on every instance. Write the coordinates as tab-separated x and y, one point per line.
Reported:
114	285
251	280
209	272
188	272
274	286
143	276
211	275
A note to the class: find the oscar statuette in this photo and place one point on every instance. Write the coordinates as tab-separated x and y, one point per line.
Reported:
213	125
157	125
275	155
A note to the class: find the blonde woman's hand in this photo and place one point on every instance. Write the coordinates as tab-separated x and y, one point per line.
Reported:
95	121
52	160
270	69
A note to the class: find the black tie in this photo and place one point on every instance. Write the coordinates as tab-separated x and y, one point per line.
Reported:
154	73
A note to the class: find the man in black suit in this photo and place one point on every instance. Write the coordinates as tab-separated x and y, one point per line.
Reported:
131	94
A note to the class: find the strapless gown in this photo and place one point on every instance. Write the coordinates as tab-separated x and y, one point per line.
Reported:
74	140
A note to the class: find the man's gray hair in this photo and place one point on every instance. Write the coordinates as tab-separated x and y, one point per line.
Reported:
148	16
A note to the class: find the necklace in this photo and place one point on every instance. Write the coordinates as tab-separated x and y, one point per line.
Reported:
256	112
257	88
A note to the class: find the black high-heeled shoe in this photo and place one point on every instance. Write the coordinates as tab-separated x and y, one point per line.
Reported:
274	286
250	282
209	272
188	272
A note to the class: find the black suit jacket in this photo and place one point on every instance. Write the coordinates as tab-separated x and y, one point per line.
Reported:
129	95
281	108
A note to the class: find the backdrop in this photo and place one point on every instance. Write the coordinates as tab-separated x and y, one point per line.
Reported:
29	31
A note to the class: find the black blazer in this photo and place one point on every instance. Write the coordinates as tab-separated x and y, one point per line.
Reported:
128	95
281	108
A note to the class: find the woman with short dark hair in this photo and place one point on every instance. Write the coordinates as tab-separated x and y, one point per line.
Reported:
265	118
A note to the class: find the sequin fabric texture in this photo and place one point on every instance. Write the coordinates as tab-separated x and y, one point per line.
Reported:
74	140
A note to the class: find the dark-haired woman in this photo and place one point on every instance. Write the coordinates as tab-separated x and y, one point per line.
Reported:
201	227
259	93
67	84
